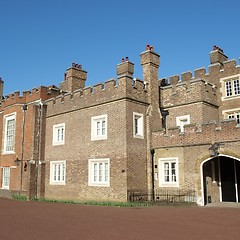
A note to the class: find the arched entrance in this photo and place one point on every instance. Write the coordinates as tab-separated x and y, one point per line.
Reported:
220	179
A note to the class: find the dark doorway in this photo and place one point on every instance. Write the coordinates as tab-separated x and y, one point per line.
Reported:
221	180
227	169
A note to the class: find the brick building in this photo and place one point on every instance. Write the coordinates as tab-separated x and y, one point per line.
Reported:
22	124
199	149
129	139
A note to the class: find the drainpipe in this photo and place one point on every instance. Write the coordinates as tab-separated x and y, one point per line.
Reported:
153	190
38	147
24	108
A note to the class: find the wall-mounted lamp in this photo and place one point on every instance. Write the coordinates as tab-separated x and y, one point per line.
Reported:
17	161
214	149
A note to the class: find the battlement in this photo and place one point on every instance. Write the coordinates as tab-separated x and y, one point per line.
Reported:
42	93
101	93
188	90
197	134
219	66
198	85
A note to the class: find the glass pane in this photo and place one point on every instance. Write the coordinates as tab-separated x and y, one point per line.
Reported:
228	88
238	118
166	172
62	133
58	134
6	176
136	125
173	168
10	134
63	172
98	128
106	172
236	87
100	172
54	172
103	127
95	172
59	172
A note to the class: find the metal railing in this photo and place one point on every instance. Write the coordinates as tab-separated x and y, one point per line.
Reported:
163	196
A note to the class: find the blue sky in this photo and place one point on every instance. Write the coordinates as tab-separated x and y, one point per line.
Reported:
40	39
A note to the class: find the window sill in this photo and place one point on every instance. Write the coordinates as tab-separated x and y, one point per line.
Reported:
230	97
99	184
58	144
57	183
8	153
138	136
98	138
169	185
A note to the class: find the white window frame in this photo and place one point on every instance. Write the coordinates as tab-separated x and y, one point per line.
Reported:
236	87
173	179
230	87
232	114
99	127
57	172
8	118
99	172
5	178
238	118
181	121
59	134
138	125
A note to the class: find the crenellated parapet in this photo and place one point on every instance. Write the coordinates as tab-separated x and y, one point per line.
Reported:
197	134
200	85
102	93
188	89
35	94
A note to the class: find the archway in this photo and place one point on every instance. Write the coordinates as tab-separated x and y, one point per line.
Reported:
220	178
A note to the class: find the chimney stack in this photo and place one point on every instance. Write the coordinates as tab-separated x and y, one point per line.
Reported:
217	56
150	62
74	78
125	68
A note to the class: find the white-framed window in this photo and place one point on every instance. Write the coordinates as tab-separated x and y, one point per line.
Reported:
5	177
236	85
236	116
168	172
99	172
230	87
57	172
9	133
59	134
181	121
231	116
99	127
138	125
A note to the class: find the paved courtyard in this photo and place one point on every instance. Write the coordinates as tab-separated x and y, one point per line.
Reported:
36	220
